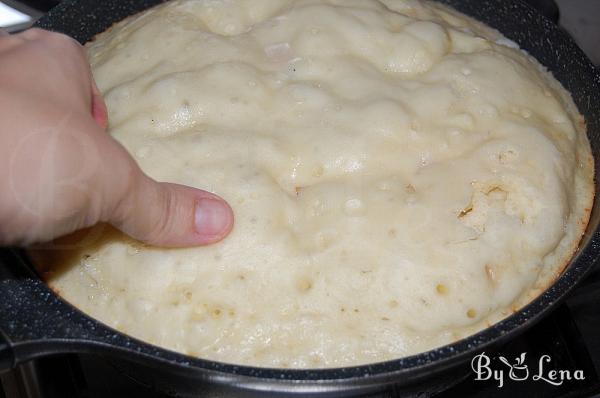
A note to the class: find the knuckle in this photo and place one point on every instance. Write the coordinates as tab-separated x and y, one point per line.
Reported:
64	41
56	39
52	40
32	33
164	219
150	211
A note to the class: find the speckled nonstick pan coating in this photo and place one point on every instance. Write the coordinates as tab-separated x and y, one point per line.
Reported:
35	322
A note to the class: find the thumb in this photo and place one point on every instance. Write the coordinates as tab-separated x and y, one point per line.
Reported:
171	215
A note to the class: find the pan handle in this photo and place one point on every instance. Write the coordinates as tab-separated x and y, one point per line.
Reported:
7	355
7	359
21	328
34	322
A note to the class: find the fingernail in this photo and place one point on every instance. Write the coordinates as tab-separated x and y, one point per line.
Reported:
212	217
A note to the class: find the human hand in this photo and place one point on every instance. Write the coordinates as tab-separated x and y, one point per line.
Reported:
60	171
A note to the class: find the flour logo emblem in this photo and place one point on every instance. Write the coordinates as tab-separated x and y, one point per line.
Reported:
519	371
485	368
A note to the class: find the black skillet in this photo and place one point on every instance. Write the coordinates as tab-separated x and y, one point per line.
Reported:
34	322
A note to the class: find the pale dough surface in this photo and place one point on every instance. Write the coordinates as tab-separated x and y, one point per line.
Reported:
401	175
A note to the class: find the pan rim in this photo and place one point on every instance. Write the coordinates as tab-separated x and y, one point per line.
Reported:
580	264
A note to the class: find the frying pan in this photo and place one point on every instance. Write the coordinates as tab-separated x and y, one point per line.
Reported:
34	322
